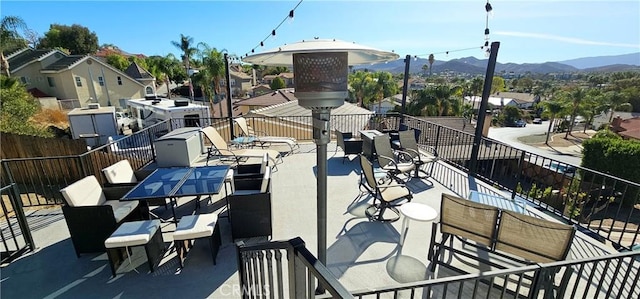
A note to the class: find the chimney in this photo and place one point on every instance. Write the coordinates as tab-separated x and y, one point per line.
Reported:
615	124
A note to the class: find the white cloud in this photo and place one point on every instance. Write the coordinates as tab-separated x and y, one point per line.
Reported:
571	40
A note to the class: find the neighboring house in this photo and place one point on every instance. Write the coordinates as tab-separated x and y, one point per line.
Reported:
48	102
260	90
287	77
76	77
273	98
240	85
417	84
143	76
626	128
496	102
603	118
387	104
522	100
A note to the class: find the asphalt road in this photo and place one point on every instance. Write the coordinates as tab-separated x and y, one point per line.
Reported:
510	136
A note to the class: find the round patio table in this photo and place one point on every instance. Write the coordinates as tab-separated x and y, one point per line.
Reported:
415	211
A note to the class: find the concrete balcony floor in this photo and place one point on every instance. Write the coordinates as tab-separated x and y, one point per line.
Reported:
361	254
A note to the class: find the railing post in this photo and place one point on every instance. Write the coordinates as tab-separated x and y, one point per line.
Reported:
486	91
437	139
297	275
519	175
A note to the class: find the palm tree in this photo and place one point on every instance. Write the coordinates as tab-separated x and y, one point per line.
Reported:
552	109
214	68
576	95
616	102
431	61
360	83
185	45
10	38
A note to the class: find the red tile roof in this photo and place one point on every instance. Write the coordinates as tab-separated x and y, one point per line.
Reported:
630	128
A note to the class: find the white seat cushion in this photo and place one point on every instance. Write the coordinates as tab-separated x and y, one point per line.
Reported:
195	226
265	180
120	173
133	233
122	209
85	192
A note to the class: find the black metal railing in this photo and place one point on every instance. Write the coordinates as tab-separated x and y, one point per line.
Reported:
601	204
15	235
611	276
283	269
40	179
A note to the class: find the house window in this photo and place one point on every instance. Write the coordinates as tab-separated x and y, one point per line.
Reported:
78	82
149	90
233	82
25	80
119	80
101	81
52	83
222	82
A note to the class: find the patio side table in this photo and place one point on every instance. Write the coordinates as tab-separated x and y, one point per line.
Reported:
415	211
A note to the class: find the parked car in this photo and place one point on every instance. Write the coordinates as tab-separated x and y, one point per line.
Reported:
537	120
518	123
561	168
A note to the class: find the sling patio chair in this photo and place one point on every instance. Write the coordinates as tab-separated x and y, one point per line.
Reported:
420	156
221	149
387	194
394	162
262	138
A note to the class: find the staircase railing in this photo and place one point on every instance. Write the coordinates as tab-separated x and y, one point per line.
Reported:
284	269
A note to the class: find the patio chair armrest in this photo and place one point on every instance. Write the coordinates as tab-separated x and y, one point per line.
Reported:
117	191
244	169
391	160
403	155
142	174
247	183
411	153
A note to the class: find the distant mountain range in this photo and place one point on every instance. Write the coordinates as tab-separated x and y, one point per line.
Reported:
474	66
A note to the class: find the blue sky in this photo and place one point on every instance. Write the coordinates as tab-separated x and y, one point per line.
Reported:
528	31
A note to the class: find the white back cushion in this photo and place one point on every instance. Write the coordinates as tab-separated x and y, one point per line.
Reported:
265	180
120	173
265	162
85	192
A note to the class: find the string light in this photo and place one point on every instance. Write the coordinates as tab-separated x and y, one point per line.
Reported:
273	32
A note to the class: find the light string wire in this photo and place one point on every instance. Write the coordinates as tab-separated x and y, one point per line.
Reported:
273	32
488	8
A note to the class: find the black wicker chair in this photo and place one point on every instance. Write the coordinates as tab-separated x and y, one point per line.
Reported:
250	207
92	213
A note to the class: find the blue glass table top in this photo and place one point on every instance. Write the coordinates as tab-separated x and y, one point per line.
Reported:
179	181
498	201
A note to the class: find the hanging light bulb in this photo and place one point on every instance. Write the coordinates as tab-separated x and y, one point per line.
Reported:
489	9
261	44
291	16
486	34
415	58
273	34
487	52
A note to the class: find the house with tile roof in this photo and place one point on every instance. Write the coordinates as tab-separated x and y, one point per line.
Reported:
287	77
627	128
272	98
289	115
261	89
82	78
522	100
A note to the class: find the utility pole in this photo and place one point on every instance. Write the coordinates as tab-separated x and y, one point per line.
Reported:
486	91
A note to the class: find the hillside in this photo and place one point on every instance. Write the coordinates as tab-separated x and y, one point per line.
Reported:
474	66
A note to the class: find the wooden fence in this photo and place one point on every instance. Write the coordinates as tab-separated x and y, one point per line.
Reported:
22	146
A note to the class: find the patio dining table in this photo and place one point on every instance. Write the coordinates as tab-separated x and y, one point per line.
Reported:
174	182
514	205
